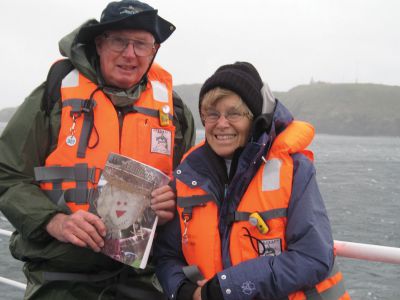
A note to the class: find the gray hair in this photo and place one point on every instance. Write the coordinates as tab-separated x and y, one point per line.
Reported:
214	95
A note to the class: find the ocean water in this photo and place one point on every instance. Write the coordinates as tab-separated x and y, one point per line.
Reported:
359	179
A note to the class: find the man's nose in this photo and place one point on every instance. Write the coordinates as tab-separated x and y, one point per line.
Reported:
129	50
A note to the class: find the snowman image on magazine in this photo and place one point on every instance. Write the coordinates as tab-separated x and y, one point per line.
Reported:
122	212
117	208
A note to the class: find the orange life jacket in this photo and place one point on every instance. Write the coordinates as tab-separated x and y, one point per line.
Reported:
72	170
268	195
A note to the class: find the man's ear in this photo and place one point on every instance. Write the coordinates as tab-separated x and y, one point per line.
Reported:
98	42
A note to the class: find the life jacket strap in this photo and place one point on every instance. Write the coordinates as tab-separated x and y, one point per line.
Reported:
312	294
87	127
80	277
333	293
187	203
79	172
77	195
238	216
143	110
57	197
79	105
114	281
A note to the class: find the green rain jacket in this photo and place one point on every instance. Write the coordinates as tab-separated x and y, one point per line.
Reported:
25	143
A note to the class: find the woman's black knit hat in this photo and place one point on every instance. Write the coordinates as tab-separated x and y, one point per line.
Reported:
241	78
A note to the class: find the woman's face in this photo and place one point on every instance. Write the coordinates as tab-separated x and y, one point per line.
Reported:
231	130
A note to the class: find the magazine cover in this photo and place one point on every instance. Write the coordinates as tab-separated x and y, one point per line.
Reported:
123	203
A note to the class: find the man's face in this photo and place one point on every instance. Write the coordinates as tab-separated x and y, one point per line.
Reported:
121	66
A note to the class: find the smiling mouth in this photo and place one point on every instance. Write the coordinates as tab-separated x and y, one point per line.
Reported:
225	137
127	68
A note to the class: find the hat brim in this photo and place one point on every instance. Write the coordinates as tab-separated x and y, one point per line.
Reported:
148	20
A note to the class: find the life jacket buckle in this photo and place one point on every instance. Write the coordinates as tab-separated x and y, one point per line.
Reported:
87	106
163	115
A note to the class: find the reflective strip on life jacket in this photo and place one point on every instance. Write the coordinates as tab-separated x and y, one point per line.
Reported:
271	175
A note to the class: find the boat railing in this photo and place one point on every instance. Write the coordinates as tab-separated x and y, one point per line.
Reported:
360	251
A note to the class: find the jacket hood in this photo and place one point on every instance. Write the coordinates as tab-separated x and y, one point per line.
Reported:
272	123
82	56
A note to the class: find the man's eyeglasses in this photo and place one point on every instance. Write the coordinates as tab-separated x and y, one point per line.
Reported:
233	116
119	44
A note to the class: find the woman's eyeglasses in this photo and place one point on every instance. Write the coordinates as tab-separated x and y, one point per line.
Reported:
233	116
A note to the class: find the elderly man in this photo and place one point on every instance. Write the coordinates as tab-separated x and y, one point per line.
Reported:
108	96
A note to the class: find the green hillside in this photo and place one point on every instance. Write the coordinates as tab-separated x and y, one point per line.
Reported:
347	109
342	109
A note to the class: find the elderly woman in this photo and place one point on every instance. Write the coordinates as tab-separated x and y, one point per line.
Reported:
251	222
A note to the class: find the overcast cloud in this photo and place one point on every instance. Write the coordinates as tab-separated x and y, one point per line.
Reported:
289	41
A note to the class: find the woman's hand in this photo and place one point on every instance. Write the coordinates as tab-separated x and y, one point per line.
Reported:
163	202
197	292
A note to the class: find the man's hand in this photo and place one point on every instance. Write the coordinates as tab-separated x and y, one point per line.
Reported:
81	228
163	200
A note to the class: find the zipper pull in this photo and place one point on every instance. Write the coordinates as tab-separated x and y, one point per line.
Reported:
71	139
185	238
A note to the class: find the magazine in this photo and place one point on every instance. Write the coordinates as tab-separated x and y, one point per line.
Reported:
123	203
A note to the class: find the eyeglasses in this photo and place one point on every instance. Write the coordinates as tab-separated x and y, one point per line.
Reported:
232	116
119	44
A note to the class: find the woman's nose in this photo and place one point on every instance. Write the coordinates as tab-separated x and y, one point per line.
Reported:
222	121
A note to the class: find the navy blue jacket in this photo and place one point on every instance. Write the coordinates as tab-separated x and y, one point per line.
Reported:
309	256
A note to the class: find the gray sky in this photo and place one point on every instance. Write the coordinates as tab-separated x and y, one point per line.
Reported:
289	41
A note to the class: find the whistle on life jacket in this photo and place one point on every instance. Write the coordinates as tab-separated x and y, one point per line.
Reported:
256	220
164	115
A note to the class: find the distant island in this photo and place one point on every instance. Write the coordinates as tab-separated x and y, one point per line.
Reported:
333	108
